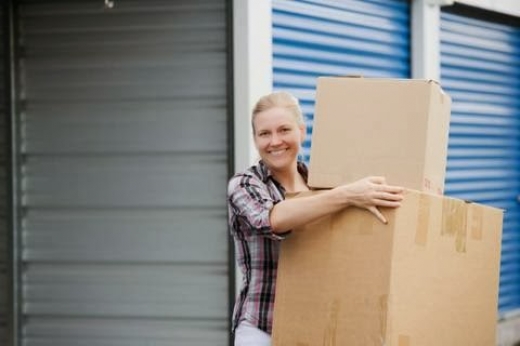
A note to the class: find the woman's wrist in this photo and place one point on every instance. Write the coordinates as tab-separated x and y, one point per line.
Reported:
343	196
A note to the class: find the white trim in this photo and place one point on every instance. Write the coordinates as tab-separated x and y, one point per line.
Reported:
253	76
252	55
425	40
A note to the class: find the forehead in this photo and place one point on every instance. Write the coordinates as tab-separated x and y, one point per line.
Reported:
274	117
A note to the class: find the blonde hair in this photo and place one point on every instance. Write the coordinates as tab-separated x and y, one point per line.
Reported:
280	99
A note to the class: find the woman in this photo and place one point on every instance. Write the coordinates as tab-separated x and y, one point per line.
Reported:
260	217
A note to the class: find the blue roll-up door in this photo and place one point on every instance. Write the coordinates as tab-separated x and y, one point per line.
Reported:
480	69
314	38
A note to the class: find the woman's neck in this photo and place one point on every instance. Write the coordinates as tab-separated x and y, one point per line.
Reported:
291	180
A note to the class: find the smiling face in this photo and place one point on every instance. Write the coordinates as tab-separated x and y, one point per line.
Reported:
278	136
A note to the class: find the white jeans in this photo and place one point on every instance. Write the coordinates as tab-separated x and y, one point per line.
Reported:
247	334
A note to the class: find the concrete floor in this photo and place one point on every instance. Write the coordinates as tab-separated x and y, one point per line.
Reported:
508	332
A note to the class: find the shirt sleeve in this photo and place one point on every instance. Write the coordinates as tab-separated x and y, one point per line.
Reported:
251	204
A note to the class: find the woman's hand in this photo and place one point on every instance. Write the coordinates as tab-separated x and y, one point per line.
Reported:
372	192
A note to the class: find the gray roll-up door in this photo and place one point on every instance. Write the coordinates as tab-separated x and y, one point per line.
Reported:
313	38
4	249
480	69
124	170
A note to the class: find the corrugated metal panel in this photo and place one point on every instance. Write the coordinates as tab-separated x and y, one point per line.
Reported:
4	253
481	71
125	157
314	38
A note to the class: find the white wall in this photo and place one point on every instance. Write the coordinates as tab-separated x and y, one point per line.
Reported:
253	77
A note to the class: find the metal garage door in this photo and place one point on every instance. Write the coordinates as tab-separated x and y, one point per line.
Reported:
480	69
314	38
4	211
124	165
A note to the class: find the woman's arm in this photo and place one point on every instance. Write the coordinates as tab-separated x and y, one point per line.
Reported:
368	193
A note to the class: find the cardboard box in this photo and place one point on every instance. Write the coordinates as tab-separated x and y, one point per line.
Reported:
388	127
427	278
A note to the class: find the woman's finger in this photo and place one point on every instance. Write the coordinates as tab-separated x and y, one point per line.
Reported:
393	189
389	196
378	214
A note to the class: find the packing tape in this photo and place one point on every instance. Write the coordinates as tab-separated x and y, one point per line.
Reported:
423	220
477	214
454	222
403	340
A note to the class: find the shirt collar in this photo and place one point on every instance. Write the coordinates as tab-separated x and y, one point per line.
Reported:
267	174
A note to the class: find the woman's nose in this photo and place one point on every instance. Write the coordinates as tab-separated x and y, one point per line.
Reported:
275	139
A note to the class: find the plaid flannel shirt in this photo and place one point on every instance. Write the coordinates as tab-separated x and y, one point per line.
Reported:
251	196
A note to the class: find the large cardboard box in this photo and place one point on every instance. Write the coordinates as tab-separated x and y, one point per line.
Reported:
427	278
397	128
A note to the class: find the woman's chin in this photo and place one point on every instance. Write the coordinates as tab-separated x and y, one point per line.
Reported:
280	164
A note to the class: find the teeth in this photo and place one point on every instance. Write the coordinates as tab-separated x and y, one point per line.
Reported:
277	152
